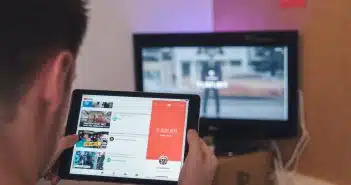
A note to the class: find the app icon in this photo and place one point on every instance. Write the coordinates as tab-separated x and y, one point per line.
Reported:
87	103
163	160
116	117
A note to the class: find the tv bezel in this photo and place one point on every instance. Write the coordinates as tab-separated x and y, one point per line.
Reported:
233	128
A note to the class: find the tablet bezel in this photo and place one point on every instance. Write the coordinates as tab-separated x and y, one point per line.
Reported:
66	157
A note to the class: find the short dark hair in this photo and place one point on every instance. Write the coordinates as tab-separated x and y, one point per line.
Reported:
31	31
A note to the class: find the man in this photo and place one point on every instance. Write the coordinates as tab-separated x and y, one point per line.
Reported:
39	42
211	74
277	61
100	161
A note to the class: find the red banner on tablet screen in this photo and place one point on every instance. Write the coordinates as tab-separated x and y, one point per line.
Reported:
166	130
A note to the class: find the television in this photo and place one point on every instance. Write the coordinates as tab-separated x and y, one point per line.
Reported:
248	81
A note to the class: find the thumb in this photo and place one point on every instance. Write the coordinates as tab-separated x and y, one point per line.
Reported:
67	142
193	141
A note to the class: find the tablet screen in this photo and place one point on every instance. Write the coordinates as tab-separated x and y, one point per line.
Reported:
130	137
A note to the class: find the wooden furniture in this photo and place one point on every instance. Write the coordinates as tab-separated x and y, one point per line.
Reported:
249	169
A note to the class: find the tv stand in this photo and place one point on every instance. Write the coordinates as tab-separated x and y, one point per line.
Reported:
226	146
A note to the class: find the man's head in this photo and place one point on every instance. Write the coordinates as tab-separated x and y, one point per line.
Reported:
39	42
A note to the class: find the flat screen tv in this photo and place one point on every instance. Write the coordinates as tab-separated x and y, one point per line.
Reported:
248	81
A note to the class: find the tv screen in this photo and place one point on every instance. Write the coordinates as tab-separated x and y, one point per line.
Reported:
234	82
248	81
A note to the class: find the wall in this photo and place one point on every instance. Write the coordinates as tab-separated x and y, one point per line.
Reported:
170	16
106	60
241	15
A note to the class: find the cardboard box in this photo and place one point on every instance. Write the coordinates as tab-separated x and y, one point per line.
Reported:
250	169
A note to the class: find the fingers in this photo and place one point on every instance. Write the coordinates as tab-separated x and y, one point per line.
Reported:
64	143
55	180
208	154
49	176
67	142
193	141
198	148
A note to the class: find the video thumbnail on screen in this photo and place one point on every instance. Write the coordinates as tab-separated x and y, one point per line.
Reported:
97	104
91	139
89	160
95	119
235	82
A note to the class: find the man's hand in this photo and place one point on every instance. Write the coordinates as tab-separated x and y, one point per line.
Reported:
200	165
64	143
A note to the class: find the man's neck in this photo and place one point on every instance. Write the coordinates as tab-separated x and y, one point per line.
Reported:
14	168
11	173
9	178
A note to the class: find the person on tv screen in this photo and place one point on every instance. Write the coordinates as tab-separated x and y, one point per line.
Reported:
211	74
40	41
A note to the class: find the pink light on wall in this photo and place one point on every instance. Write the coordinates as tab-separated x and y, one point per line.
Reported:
246	15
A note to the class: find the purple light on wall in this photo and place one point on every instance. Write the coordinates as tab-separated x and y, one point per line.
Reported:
170	16
245	15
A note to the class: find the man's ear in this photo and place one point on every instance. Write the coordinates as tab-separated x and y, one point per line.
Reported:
59	74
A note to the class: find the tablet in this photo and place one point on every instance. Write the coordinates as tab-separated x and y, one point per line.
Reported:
130	137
